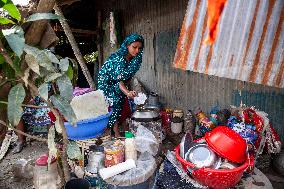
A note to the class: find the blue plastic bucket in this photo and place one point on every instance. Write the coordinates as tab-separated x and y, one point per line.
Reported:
89	128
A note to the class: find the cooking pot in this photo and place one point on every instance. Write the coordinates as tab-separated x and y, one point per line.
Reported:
145	115
153	101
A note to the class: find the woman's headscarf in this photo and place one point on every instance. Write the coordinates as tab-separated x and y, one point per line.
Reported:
127	41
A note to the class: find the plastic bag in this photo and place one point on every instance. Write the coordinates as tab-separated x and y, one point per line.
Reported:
145	141
145	168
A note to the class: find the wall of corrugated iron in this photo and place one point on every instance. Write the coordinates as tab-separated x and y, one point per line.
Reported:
249	44
159	21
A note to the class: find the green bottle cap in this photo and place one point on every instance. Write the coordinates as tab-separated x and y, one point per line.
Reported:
128	134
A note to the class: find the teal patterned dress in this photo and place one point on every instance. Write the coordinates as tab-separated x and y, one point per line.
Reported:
117	69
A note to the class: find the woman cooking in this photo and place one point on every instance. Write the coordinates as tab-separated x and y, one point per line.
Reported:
116	72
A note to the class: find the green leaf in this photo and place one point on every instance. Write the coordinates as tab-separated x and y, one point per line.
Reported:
65	87
44	72
51	57
15	99
57	125
12	10
4	20
64	64
73	150
70	72
65	108
17	64
8	71
32	63
2	60
40	56
15	38
52	76
43	91
26	76
41	16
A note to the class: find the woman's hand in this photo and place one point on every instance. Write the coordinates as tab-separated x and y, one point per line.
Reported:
123	88
132	94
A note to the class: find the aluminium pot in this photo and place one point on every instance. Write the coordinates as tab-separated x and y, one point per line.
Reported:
145	115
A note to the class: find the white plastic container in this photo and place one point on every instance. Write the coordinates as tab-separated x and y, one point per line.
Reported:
176	127
130	148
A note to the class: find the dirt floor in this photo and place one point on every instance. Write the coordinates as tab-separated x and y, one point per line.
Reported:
34	149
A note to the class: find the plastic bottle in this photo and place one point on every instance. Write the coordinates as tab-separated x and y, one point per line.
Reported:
129	145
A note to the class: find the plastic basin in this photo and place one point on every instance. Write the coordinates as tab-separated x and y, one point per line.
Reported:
88	128
227	143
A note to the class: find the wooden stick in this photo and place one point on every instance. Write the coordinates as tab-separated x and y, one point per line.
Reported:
75	47
23	133
99	39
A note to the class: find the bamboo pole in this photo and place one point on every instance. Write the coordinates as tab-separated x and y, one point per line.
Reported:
99	39
75	47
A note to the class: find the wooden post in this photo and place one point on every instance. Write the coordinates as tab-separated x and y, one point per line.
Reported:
100	40
75	47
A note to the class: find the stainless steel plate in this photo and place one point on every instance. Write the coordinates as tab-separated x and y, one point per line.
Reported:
202	156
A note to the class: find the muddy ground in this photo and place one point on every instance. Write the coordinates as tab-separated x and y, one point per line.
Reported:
32	150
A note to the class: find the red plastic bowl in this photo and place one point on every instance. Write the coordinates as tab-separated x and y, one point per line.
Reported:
227	143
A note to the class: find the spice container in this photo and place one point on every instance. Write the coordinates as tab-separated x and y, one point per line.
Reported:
129	146
114	153
204	121
166	120
176	125
189	122
178	113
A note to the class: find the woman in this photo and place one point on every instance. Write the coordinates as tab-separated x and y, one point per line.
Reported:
120	67
33	119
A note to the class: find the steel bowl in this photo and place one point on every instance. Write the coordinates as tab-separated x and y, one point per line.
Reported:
202	156
145	115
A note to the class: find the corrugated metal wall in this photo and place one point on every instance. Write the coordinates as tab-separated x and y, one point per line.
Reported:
159	21
249	44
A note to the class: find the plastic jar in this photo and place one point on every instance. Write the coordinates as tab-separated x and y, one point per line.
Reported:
129	146
45	177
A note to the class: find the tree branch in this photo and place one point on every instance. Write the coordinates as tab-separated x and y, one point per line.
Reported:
23	133
34	89
26	105
74	46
